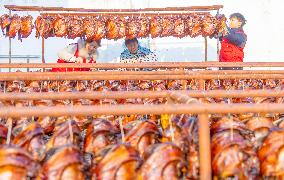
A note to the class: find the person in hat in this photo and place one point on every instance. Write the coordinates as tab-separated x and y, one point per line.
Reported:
233	44
84	51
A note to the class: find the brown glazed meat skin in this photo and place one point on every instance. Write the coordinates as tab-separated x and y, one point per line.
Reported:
64	164
44	27
5	21
14	26
26	26
156	27
31	139
142	135
271	155
116	28
100	134
16	163
162	161
60	26
118	163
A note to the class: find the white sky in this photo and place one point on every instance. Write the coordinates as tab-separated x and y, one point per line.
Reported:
265	29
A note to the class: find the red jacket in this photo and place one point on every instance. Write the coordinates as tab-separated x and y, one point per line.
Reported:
232	46
72	69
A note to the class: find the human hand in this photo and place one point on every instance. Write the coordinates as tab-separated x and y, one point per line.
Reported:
79	60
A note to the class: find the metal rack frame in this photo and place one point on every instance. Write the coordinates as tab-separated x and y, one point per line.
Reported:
84	12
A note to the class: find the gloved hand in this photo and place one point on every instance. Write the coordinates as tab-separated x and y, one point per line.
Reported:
79	60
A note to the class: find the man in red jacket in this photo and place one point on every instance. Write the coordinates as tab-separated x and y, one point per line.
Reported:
232	45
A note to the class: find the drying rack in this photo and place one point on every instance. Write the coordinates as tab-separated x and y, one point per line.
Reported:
181	104
83	12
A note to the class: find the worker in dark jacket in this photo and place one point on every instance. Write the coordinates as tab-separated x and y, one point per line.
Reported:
233	44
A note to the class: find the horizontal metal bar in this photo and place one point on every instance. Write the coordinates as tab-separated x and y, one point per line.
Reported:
160	72
144	65
124	13
41	8
139	94
20	56
140	109
78	76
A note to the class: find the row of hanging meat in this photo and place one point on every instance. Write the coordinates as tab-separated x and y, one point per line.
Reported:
115	27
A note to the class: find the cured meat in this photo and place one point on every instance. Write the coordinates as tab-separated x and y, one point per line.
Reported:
116	28
75	27
44	27
60	26
26	26
14	26
156	27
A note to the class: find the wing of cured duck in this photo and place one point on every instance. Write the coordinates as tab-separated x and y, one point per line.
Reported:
133	27
162	161
26	26
209	25
100	134
16	163
221	29
231	124
101	31
44	27
89	27
47	123
233	156
63	163
31	139
116	28
3	133
144	27
179	27
60	26
142	135
261	126
62	135
5	20
196	29
167	26
120	162
75	27
271	155
14	26
156	27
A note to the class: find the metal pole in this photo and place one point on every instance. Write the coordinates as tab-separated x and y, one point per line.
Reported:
204	147
193	108
28	61
42	52
154	65
26	77
139	94
206	49
10	45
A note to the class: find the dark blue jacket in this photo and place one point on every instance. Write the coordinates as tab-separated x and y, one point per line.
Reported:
237	37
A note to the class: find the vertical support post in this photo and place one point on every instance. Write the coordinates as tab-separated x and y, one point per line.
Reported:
206	49
10	45
42	52
218	44
202	84
204	147
218	49
28	62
